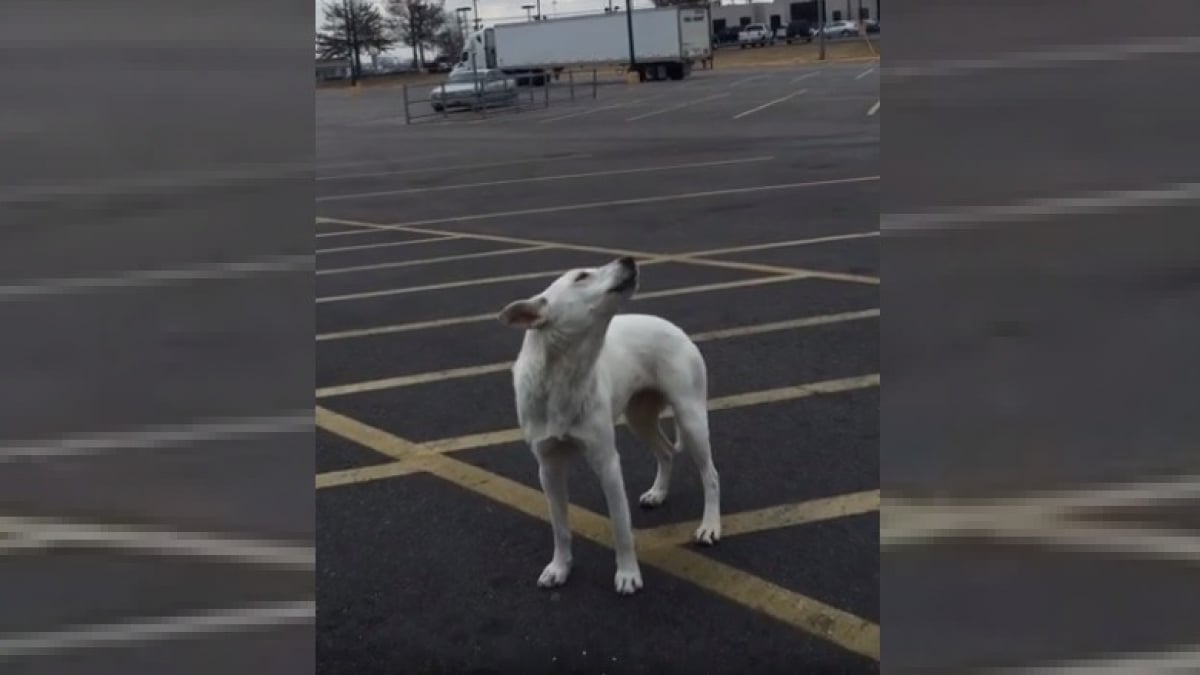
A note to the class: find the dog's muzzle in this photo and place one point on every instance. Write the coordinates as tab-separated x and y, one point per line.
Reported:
629	268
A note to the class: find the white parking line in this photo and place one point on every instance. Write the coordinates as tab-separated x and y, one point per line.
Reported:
50	533
636	201
455	167
805	76
768	104
1177	661
384	162
39	288
589	111
865	73
558	177
151	629
159	436
430	261
1044	515
676	107
386	244
1051	58
744	80
874	109
1041	209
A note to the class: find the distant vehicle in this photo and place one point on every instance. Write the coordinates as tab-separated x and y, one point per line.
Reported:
728	35
755	35
800	31
841	29
441	64
466	89
872	25
669	40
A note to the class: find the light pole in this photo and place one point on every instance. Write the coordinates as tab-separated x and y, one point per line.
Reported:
629	27
821	29
475	12
528	12
539	10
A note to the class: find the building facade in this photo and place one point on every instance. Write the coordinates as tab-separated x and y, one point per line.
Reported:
779	13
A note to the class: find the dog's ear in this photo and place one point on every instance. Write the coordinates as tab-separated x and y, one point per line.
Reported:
524	314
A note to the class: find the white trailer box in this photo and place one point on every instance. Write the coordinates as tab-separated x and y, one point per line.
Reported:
666	42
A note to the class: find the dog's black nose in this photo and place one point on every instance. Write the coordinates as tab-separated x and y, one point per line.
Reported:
628	263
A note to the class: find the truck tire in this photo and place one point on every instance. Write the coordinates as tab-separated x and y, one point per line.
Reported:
675	71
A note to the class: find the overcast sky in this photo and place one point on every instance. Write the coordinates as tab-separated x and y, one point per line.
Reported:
496	10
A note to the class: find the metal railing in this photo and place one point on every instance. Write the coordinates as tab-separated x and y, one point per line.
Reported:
566	87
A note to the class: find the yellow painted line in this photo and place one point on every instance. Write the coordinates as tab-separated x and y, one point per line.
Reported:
453	284
491	316
386	244
546	179
798	611
429	261
784	244
770	518
452	168
410	380
793	392
777	395
369	473
367	228
696	258
490	368
639	201
365	435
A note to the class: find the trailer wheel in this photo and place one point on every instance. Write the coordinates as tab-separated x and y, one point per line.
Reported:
675	71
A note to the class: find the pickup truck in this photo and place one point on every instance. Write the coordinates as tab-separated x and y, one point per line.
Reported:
755	35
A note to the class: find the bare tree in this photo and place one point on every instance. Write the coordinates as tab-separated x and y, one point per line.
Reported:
417	24
450	42
350	27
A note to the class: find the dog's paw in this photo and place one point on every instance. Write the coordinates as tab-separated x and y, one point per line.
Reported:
652	497
628	582
708	533
554	575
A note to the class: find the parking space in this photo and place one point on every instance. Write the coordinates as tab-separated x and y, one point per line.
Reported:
756	235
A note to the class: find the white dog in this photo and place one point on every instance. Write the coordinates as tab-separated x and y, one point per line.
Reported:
579	368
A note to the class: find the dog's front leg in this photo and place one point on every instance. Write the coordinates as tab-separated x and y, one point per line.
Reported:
552	470
601	453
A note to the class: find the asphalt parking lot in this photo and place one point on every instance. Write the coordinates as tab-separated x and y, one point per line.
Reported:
751	199
1039	514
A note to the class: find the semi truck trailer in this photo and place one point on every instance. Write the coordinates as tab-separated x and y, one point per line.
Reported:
666	42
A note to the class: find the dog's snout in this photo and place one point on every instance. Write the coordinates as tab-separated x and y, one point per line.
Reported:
628	263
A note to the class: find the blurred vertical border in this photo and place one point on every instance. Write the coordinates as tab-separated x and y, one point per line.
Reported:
1041	266
156	432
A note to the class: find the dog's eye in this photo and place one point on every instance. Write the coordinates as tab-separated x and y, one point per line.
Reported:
583	276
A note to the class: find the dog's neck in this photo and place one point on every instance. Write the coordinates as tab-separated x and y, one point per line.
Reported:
556	380
571	358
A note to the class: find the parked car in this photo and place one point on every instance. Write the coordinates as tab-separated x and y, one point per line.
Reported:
465	89
441	64
755	35
800	31
727	35
872	25
841	29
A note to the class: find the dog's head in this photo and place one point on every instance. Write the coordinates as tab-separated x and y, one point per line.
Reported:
578	302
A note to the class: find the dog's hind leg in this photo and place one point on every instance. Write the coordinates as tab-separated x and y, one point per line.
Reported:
642	415
691	420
